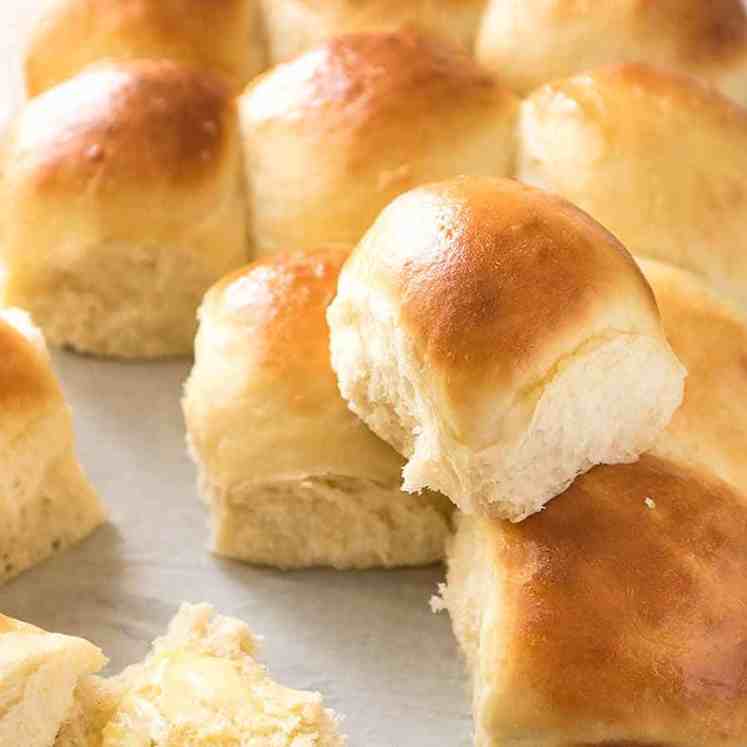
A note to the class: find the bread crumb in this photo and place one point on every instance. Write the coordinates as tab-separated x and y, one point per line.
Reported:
650	503
438	600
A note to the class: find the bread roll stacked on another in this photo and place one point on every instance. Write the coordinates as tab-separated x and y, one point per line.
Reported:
614	617
296	26
224	36
503	342
656	157
531	42
121	204
292	477
46	502
333	136
201	685
39	674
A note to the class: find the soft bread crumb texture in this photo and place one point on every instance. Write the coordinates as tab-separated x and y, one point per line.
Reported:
292	478
48	503
39	672
123	203
602	622
202	685
494	336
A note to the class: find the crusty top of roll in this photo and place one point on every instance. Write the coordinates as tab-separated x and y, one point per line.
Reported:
540	40
130	122
377	81
27	383
709	336
623	606
214	34
496	282
264	339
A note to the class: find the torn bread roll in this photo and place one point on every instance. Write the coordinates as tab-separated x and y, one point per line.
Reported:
495	336
331	137
614	617
657	158
39	673
293	479
226	37
537	41
122	203
47	502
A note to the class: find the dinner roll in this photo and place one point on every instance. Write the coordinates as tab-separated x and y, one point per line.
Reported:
531	42
202	685
39	672
657	158
710	338
292	477
495	336
295	26
223	35
122	202
615	617
333	136
96	700
47	502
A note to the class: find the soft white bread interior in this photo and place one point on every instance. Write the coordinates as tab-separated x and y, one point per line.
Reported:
333	136
96	700
495	335
709	336
614	617
657	158
46	502
201	685
224	36
39	673
292	477
536	41
122	202
296	26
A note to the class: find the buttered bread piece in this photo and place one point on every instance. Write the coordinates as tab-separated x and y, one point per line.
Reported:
292	478
495	336
39	673
614	617
201	685
46	502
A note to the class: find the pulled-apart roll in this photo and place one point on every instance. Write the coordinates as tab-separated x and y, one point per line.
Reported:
122	203
496	336
333	136
614	617
224	36
531	42
292	477
657	158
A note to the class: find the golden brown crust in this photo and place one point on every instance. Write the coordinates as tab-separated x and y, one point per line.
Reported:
364	80
219	35
26	380
500	269
134	122
625	605
281	302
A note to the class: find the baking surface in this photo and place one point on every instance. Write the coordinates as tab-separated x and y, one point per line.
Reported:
368	641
